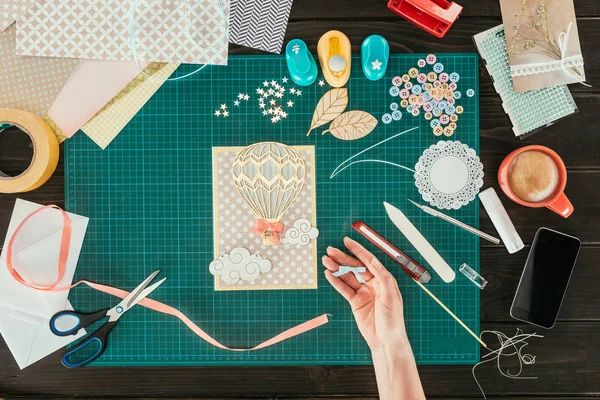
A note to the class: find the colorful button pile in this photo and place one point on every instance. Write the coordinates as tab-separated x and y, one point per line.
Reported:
435	92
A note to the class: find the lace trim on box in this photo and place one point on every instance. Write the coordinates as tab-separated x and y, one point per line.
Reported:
539	68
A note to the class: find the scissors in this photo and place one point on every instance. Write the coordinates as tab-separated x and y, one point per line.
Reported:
65	323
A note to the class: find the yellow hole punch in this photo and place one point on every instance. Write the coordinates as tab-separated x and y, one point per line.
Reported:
335	56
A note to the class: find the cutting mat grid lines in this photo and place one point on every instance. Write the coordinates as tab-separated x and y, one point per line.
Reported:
149	199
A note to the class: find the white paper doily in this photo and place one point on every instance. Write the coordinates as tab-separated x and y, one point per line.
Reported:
449	175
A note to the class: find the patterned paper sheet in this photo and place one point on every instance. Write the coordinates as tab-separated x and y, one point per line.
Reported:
11	10
260	24
293	266
192	32
30	83
111	120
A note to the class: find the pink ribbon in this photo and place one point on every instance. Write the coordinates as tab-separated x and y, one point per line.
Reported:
148	303
262	226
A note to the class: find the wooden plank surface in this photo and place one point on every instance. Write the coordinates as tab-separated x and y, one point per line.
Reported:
566	364
568	358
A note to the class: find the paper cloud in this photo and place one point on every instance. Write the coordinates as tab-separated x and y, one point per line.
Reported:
239	265
301	233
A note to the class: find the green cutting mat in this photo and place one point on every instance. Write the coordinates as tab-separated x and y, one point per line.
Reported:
149	198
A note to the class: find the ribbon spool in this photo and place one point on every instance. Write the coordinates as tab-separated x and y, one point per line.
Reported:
45	152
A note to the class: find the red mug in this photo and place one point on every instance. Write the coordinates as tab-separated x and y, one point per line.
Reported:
557	202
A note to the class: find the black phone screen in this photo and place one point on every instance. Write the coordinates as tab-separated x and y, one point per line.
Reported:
545	277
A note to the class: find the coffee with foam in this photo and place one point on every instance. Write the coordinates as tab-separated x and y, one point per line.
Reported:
533	176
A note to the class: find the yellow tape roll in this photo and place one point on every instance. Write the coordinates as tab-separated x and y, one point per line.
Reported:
45	152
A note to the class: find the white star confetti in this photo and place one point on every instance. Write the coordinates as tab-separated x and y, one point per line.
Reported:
236	103
240	96
290	103
292	91
217	113
321	83
284	79
265	83
272	102
376	65
298	92
223	106
226	113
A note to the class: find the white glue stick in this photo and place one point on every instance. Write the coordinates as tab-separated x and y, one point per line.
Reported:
492	204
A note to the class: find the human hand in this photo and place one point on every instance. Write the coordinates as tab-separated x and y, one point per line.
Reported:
377	304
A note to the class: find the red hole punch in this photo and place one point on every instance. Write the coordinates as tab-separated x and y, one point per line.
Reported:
433	16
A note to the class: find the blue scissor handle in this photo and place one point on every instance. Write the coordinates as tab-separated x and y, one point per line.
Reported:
65	323
99	337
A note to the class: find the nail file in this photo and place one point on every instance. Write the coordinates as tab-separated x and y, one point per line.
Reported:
421	244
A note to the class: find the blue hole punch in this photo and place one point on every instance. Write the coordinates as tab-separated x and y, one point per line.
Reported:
375	53
301	63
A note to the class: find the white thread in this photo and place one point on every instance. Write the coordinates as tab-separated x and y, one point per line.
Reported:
335	171
132	39
506	342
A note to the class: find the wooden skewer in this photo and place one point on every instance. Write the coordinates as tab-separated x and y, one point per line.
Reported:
451	313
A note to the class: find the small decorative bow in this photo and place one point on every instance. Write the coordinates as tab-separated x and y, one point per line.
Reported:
563	42
274	228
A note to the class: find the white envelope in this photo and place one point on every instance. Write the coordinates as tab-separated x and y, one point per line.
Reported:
30	341
24	311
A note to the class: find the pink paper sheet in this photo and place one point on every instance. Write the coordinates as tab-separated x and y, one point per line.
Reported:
93	84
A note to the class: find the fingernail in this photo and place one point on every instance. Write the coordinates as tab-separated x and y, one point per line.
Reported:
376	263
329	248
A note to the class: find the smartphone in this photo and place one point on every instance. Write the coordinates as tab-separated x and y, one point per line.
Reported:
545	278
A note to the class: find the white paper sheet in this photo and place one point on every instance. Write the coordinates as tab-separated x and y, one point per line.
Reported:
25	312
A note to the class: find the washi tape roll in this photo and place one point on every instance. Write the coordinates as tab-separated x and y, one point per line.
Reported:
45	152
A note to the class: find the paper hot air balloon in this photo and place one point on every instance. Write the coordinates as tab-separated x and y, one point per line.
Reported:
269	176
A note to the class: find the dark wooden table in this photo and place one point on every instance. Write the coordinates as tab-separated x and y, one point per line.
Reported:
568	358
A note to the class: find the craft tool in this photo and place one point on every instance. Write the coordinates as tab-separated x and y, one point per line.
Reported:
45	152
65	323
375	52
473	276
451	313
335	56
456	222
421	244
301	63
344	269
493	206
414	270
433	16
